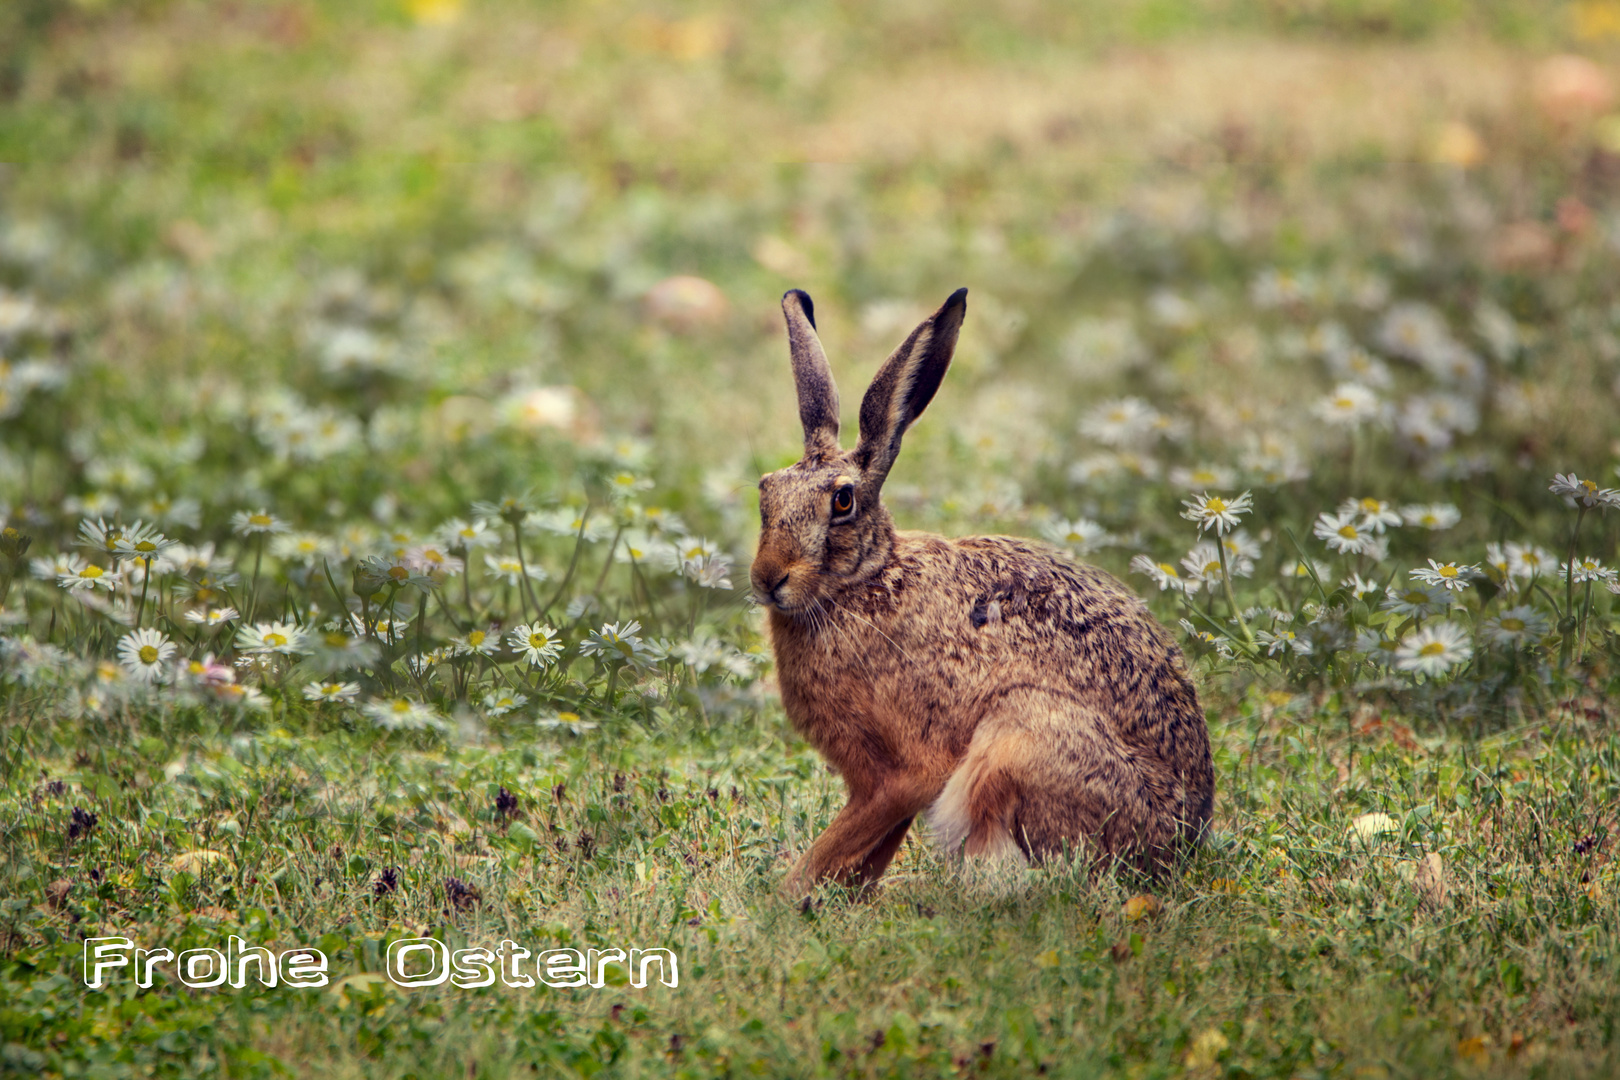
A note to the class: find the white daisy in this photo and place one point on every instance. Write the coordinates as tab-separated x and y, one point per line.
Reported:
501	702
274	637
1588	569
431	559
1341	532
145	655
1447	575
1432	516
1165	575
476	643
1376	515
512	569
1415	601
142	542
302	547
1529	561
1212	511
252	522
1434	650
1127	422
211	617
1081	535
1516	625
401	714
536	643
88	576
1359	586
618	641
457	534
1283	640
1584	492
331	691
1202	477
1350	405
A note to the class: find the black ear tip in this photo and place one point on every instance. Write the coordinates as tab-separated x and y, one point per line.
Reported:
806	304
958	298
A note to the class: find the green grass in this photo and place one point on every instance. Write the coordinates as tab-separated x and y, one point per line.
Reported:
210	204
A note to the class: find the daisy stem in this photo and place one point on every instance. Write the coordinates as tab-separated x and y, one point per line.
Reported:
526	590
253	599
140	609
1231	598
601	579
1586	616
466	582
579	543
1566	625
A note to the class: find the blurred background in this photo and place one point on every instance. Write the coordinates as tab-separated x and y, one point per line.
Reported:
468	241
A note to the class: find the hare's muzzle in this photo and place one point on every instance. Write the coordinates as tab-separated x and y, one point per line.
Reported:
769	578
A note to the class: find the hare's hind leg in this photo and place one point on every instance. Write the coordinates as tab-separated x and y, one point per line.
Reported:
1044	777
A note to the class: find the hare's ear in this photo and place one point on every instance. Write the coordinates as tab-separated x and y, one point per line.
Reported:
818	396
904	386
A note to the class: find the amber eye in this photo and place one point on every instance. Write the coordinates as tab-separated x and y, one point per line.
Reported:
843	500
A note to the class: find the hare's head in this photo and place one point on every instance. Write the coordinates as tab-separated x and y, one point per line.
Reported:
822	523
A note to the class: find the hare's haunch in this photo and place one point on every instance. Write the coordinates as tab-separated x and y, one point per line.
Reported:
1025	704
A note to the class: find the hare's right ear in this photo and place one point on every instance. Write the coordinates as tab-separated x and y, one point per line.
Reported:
904	386
818	396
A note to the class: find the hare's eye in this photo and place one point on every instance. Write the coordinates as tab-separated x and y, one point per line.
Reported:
843	500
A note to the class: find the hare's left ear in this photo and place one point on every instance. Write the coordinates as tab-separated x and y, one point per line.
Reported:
904	386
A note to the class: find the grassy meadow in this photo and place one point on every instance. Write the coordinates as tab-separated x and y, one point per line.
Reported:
382	392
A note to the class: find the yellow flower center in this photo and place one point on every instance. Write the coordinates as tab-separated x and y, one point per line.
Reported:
275	640
398	573
1589	485
1348	532
475	638
1514	625
203	596
1433	648
568	717
146	545
260	520
91	572
1215	505
1371	506
432	556
1415	597
1447	571
1168	569
400	705
148	654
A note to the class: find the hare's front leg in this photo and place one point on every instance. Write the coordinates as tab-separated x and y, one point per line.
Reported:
859	844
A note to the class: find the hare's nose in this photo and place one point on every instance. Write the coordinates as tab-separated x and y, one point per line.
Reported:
771	592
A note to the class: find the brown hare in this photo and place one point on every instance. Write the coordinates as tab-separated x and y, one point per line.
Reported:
1026	704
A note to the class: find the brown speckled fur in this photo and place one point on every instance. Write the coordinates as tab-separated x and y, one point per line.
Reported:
1026	704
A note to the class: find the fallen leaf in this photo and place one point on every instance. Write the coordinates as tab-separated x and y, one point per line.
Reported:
1430	881
1141	906
1476	1049
1206	1049
194	862
1371	826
